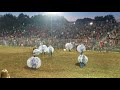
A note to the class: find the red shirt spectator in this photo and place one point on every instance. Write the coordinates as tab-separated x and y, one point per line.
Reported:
101	43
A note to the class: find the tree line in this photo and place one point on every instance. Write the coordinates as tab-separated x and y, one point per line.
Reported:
11	23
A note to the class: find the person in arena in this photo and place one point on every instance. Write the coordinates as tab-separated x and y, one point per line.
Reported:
5	74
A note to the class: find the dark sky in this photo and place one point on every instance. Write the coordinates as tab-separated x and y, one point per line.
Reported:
71	16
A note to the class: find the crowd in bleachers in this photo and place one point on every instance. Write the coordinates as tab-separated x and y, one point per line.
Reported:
59	34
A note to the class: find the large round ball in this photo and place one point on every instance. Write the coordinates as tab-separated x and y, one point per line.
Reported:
83	58
68	46
50	49
43	48
81	48
34	62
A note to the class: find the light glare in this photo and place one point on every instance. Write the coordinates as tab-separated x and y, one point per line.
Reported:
53	13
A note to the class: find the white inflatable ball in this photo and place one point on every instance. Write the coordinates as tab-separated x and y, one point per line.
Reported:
64	49
34	62
69	46
83	58
36	52
81	48
43	48
50	49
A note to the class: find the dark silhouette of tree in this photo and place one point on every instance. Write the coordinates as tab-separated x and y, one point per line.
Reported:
110	19
99	18
23	20
8	22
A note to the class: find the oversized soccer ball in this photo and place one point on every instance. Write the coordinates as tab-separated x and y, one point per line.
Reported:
50	49
81	48
34	62
83	58
43	48
68	46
